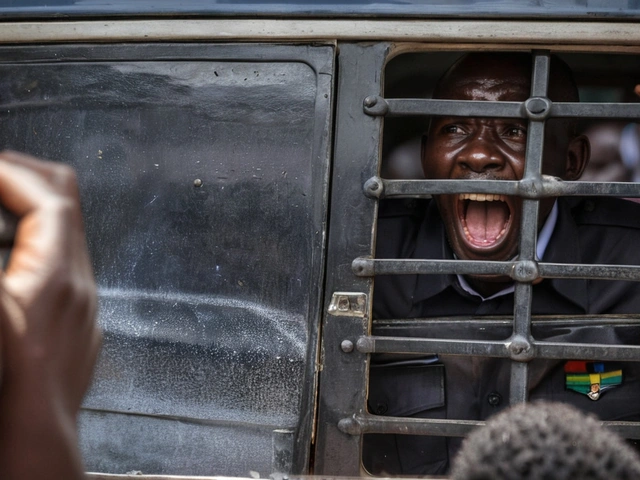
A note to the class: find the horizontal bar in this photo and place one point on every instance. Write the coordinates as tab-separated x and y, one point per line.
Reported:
624	429
367	267
497	349
489	321
596	272
545	187
522	271
590	110
458	108
410	345
393	188
375	105
366	423
506	34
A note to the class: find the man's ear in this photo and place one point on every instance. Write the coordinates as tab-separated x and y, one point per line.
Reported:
578	153
423	149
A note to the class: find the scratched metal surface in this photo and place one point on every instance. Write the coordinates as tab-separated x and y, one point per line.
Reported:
203	173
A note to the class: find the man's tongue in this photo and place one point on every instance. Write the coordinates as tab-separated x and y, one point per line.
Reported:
486	221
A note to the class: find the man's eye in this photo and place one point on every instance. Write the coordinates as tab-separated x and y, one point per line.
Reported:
516	132
451	129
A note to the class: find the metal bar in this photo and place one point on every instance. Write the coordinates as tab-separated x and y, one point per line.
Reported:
518	390
472	108
535	145
591	189
409	345
528	230
601	110
496	349
586	351
599	272
545	187
343	383
458	108
624	429
540	74
367	267
363	424
393	188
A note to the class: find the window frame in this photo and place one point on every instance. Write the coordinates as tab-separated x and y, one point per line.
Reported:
347	339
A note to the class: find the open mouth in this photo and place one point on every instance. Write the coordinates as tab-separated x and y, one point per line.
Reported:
485	218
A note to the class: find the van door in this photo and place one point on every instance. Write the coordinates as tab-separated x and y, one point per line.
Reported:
204	179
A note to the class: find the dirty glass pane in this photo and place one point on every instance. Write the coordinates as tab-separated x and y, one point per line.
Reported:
318	8
204	185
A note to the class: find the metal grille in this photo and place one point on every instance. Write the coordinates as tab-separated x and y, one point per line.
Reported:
521	347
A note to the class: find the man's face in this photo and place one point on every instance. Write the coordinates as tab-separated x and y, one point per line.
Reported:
478	226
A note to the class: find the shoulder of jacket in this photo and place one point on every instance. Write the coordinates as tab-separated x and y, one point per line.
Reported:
606	211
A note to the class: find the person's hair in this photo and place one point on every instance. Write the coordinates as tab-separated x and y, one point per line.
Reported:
545	441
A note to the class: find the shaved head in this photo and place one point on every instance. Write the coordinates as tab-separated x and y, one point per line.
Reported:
474	67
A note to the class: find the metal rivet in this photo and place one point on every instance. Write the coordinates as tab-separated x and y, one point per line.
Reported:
537	108
197	182
520	348
347	346
525	271
374	187
381	409
370	101
494	399
343	304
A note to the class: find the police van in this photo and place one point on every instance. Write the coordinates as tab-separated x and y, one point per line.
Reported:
232	157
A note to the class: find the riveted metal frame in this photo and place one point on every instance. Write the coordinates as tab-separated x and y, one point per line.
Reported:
342	390
343	378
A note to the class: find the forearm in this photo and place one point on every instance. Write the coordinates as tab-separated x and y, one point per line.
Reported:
38	440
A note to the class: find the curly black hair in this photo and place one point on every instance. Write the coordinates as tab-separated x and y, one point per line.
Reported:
545	441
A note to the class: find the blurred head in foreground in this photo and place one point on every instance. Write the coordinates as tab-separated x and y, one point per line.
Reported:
545	441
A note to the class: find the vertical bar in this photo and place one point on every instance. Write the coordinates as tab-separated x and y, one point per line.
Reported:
343	378
540	74
522	327
535	137
529	226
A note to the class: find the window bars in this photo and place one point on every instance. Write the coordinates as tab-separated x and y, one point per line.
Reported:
520	347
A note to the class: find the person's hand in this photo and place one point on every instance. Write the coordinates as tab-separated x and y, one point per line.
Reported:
637	90
49	339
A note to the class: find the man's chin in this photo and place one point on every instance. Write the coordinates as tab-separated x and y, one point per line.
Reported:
487	285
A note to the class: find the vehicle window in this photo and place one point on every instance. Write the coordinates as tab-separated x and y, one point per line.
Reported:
447	353
452	308
203	175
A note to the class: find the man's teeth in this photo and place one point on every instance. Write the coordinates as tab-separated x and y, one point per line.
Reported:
483	197
470	238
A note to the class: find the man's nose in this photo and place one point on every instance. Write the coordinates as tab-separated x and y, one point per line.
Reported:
481	154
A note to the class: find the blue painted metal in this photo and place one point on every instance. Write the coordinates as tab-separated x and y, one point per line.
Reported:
565	9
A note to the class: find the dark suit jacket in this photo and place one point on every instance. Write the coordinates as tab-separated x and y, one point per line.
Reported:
595	231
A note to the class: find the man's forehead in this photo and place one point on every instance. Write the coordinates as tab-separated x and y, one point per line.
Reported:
486	72
490	86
